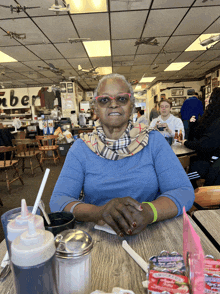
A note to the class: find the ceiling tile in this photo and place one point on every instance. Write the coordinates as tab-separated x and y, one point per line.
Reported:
158	24
121	69
208	55
123	58
16	66
19	53
101	61
71	50
44	51
200	18
171	3
139	68
179	43
130	23
188	56
117	5
50	24
194	65
84	62
144	59
24	25
214	28
207	3
123	47
166	58
94	26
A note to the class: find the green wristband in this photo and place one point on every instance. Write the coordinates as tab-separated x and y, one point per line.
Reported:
154	210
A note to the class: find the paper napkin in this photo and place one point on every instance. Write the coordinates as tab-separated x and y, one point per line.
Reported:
105	228
5	260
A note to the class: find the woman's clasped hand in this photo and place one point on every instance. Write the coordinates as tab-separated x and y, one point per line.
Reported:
124	215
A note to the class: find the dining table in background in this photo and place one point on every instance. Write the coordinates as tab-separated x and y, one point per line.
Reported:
111	264
208	221
181	150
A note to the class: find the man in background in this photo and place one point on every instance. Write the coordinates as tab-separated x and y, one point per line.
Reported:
166	121
141	117
154	112
191	107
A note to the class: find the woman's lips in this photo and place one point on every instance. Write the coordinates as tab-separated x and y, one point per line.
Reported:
114	113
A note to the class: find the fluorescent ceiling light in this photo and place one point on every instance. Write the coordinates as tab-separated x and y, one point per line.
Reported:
6	58
195	46
176	66
147	79
87	6
104	70
97	48
138	87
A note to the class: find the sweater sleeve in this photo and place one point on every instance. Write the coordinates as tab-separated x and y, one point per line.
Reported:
70	181
172	178
209	142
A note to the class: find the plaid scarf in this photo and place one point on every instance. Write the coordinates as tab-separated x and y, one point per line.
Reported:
133	140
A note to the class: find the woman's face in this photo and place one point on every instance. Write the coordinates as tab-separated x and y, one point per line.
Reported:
114	115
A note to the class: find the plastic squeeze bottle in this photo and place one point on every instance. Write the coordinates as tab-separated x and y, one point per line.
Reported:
20	224
33	261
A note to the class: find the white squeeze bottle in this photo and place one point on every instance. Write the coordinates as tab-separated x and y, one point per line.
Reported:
33	261
20	224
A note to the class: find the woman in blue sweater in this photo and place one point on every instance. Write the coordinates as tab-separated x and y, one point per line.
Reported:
129	173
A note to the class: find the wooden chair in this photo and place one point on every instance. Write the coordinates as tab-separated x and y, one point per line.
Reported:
6	164
185	161
48	143
26	149
207	197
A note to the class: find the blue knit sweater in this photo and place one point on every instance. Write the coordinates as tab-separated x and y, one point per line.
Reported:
153	172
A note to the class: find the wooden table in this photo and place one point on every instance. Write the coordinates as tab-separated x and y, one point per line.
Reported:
181	150
111	264
208	221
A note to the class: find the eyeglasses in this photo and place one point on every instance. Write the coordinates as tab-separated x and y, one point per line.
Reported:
121	99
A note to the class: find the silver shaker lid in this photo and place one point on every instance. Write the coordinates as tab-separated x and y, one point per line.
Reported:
73	243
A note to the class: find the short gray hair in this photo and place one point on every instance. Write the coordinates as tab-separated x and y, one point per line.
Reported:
114	76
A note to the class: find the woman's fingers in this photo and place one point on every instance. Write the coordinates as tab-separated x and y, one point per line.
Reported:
126	218
112	222
134	203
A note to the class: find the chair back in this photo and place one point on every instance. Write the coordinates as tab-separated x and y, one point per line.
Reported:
47	140
185	161
25	146
207	196
4	150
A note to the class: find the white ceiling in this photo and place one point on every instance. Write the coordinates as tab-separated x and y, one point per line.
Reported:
175	24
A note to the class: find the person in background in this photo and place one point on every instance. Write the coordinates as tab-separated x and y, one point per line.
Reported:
204	138
166	120
141	117
130	178
154	112
191	107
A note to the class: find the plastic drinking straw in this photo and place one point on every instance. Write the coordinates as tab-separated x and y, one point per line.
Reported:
40	192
